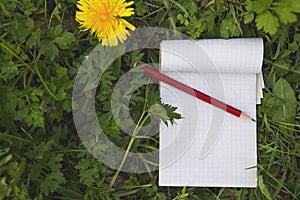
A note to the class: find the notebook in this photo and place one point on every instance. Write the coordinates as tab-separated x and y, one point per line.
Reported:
209	147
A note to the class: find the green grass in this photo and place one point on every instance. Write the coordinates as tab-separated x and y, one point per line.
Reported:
41	49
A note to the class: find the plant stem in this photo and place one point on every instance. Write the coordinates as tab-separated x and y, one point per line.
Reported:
6	48
45	11
140	124
281	66
26	65
42	79
17	177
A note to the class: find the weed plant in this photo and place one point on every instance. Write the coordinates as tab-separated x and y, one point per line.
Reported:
41	50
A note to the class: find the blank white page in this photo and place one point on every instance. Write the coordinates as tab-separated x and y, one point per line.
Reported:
209	147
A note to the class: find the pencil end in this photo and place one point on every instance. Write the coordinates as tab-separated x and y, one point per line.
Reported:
246	117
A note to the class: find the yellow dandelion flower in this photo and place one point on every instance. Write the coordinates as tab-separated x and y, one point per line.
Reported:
104	19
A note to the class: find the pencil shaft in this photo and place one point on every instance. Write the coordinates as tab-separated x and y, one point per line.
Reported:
200	95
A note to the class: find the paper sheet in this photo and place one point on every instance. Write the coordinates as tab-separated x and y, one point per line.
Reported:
209	147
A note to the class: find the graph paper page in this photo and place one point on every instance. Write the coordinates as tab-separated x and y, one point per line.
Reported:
209	147
225	160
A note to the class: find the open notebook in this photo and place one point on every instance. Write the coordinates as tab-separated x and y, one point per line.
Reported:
209	147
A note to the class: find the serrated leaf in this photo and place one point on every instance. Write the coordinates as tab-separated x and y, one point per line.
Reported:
39	150
21	114
88	172
267	22
293	5
171	114
142	9
49	49
248	17
228	28
249	5
285	15
64	40
35	116
61	94
12	168
55	162
258	6
286	10
54	31
34	38
67	104
21	29
52	182
297	37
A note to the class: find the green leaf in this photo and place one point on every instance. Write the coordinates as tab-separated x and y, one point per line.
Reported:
248	17
228	28
5	160
293	5
285	9
21	29
287	110
52	182
89	172
31	114
64	40
258	6
39	150
294	46
142	9
3	187
263	188
171	114
34	39
49	49
116	66
297	37
55	162
54	31
267	22
285	15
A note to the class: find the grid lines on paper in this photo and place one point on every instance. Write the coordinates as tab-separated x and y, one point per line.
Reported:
225	161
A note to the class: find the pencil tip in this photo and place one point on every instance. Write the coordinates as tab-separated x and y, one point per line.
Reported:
253	120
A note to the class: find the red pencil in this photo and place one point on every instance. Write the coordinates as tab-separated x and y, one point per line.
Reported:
204	97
